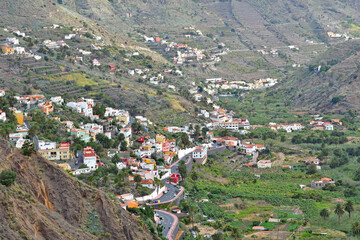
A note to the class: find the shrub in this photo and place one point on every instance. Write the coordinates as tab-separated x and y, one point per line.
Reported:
7	177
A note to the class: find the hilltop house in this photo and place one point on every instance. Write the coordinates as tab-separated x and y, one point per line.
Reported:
2	93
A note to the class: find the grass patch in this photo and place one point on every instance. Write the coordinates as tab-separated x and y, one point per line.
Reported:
79	79
254	209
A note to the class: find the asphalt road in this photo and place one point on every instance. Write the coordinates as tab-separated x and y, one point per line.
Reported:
167	221
172	189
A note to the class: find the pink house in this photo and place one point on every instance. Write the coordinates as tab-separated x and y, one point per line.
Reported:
166	147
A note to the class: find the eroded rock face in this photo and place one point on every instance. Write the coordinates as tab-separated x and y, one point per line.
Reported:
47	203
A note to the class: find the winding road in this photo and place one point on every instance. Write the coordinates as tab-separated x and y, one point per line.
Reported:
170	221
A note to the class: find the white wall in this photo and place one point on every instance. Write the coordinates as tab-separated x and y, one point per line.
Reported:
183	152
157	191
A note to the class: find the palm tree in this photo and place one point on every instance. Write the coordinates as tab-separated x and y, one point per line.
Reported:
356	229
339	211
324	213
349	207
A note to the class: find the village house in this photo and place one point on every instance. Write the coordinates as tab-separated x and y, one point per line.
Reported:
14	137
20	142
51	44
93	128
57	100
82	107
292	127
199	154
198	97
69	124
328	126
147	183
47	108
264	164
333	121
96	62
2	93
89	156
322	183
80	133
49	151
314	161
2	116
13	41
22	129
7	50
19	50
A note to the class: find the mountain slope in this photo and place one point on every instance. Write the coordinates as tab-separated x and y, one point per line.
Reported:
46	203
334	88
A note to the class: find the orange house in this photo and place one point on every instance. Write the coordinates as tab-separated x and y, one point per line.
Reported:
47	108
7	50
34	97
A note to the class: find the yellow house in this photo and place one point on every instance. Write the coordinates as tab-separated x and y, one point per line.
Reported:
19	117
60	153
160	138
124	119
146	147
7	50
148	160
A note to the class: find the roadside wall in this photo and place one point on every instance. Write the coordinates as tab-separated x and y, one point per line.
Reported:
154	194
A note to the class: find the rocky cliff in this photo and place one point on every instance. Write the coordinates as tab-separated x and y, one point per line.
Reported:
47	203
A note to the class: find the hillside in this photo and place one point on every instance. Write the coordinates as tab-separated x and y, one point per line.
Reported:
46	203
333	88
251	30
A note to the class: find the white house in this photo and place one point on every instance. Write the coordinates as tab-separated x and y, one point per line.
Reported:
264	164
93	128
14	41
120	165
84	108
90	158
2	116
198	97
19	50
108	135
2	93
70	36
126	131
328	126
57	100
14	137
42	145
199	154
95	62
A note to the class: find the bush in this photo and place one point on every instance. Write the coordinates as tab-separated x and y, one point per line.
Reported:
7	177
